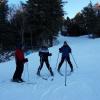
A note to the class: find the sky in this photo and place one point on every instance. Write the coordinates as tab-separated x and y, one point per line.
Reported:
71	8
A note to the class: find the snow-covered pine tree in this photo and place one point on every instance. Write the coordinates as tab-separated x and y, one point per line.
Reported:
44	19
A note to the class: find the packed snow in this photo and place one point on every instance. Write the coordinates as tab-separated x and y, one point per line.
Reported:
82	84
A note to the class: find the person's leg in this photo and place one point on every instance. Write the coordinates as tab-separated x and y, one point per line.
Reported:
15	76
40	67
60	64
69	62
20	72
49	68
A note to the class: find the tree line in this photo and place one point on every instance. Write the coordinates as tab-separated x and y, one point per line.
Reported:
33	23
86	22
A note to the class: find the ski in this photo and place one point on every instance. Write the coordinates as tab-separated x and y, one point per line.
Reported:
68	74
30	83
42	77
24	82
46	77
60	73
19	83
51	78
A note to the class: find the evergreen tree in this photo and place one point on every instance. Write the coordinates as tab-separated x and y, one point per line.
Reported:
3	21
97	26
89	17
44	18
67	26
17	23
80	20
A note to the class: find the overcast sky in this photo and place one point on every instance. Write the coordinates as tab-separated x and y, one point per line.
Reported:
71	8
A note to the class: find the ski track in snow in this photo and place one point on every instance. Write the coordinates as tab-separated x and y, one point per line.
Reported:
83	84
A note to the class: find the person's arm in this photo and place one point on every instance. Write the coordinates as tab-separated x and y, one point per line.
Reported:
60	49
69	49
40	53
25	60
50	54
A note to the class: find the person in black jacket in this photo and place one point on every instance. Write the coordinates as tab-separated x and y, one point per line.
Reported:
65	50
44	53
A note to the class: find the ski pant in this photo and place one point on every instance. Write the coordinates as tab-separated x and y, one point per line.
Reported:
47	64
18	72
69	62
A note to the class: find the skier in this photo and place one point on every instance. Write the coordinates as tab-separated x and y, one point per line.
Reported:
20	60
44	53
65	50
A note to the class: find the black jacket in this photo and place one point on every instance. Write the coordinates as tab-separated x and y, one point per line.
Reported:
44	53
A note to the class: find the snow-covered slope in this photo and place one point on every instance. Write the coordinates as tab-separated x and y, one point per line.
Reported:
83	84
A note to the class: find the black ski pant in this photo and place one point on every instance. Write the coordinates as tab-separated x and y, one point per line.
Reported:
47	64
18	72
69	62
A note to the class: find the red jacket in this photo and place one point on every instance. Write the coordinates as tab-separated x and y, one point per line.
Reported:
19	56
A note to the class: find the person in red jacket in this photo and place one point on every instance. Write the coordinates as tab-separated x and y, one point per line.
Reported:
20	60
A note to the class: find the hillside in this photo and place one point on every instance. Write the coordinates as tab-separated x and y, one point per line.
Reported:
82	84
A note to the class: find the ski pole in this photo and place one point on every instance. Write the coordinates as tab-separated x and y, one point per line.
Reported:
74	60
66	73
57	60
27	71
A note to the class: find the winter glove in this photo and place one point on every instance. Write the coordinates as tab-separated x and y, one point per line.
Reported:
25	60
50	54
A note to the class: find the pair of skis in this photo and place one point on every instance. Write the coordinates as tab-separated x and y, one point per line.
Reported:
68	74
23	82
51	78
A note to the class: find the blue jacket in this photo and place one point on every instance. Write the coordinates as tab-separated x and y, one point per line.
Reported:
65	50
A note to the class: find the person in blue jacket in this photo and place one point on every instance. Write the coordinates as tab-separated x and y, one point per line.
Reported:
65	50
